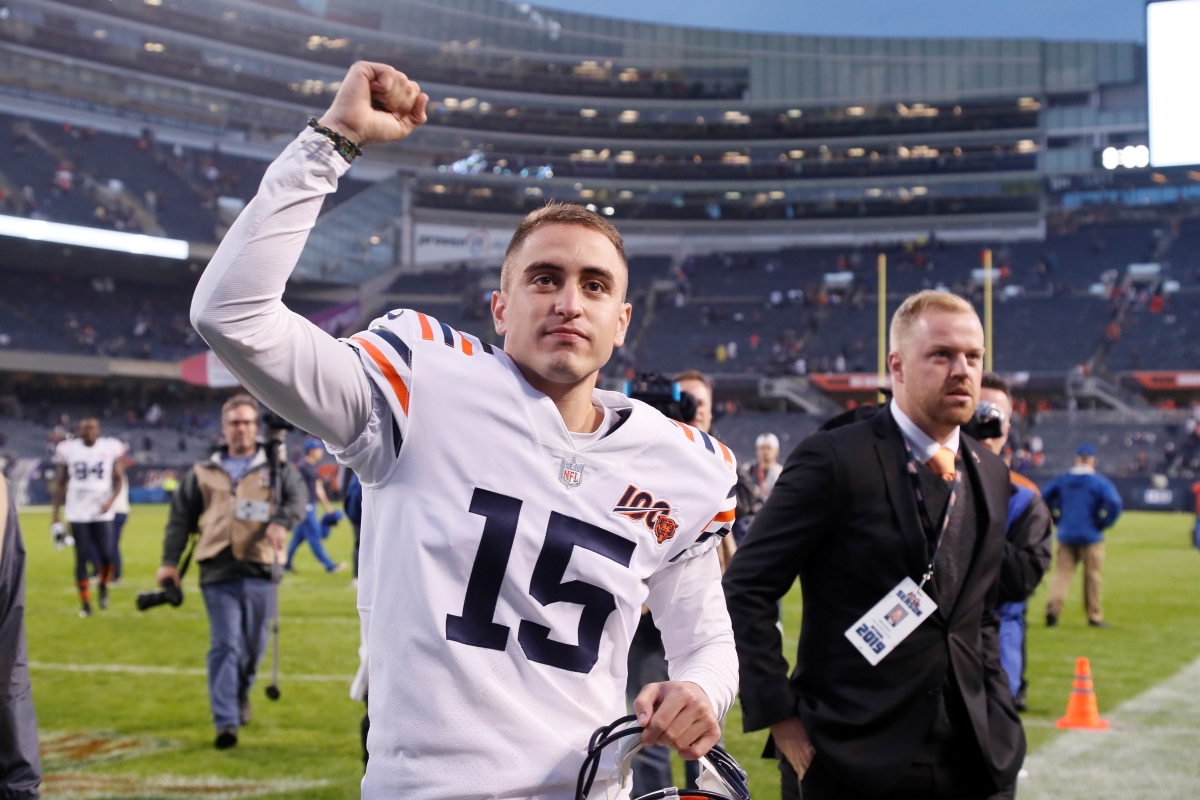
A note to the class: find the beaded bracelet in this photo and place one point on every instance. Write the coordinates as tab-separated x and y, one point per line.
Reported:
343	146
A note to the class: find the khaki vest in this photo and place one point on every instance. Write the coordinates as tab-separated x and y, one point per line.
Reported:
219	525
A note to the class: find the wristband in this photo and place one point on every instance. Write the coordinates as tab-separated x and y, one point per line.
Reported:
341	145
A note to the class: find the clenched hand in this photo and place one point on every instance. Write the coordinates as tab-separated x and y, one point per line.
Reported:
376	103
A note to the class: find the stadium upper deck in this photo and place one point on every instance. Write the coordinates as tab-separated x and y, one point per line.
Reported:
653	124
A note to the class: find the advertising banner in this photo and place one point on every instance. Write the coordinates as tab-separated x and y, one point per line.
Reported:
440	244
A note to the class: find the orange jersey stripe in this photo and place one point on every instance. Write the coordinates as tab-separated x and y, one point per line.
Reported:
687	431
724	516
389	372
728	454
467	347
426	329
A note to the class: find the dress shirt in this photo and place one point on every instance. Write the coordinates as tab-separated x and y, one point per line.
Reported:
924	446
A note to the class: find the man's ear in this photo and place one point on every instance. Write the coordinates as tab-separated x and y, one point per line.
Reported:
896	366
499	306
623	324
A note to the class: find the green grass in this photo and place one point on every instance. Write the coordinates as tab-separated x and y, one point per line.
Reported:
312	733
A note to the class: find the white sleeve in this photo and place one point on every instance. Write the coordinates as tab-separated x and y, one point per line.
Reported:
292	366
688	604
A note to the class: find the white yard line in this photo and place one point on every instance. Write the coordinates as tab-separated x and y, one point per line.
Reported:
1148	753
145	669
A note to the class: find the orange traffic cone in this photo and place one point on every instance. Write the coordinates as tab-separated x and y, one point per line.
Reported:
1082	711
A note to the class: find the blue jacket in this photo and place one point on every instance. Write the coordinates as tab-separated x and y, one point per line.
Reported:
353	501
1083	504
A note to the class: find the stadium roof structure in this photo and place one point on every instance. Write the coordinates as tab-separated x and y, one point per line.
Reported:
667	129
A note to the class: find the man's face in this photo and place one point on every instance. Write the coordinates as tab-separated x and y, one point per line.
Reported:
563	309
89	431
767	455
1002	402
703	395
315	454
940	367
240	427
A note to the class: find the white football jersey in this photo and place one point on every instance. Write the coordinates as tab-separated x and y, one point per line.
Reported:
89	477
503	570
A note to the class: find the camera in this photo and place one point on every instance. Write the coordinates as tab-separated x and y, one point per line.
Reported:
171	592
987	422
664	394
275	423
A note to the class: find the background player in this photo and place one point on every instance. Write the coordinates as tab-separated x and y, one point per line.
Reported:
90	474
309	530
503	492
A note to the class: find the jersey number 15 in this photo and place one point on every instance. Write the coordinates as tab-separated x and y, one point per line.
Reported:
563	534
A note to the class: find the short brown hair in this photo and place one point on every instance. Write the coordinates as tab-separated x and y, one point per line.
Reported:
237	401
693	375
993	381
914	306
559	213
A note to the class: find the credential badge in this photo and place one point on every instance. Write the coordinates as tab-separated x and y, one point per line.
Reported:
571	473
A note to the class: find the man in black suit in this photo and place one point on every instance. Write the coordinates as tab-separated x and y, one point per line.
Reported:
858	512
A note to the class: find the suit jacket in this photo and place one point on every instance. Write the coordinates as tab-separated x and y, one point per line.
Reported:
20	769
843	517
1027	552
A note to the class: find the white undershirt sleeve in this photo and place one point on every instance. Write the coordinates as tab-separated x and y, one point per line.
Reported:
688	604
291	365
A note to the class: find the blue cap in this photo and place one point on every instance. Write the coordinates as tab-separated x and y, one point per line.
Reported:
1086	450
313	444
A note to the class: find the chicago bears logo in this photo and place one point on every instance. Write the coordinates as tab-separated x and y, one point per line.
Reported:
664	528
637	505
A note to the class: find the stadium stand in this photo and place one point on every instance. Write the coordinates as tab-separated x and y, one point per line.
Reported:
81	176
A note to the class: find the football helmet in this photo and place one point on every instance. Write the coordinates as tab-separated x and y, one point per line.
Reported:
720	776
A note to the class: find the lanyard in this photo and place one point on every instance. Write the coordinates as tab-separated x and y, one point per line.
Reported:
923	509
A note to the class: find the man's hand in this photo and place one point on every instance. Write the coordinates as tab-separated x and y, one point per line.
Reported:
277	535
792	740
165	574
677	713
376	104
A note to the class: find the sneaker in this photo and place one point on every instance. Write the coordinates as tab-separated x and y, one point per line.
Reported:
1051	620
86	610
103	596
337	568
244	709
1100	624
226	738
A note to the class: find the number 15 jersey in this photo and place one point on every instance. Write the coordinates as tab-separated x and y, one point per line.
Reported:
504	567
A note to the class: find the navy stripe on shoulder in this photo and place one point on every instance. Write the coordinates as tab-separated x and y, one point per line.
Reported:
623	416
707	441
447	334
487	348
396	342
397	439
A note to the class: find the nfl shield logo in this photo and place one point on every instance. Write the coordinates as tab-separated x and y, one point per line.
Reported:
571	473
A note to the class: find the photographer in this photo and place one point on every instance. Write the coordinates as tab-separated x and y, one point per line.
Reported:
228	500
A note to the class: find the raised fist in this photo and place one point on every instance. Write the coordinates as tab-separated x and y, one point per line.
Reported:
376	104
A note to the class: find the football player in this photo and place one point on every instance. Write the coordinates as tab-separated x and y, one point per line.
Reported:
515	518
90	474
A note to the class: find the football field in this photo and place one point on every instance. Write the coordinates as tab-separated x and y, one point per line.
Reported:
123	710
